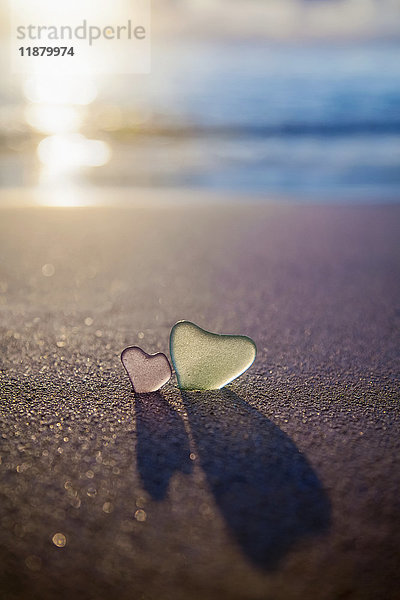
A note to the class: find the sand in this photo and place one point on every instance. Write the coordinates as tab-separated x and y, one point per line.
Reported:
284	485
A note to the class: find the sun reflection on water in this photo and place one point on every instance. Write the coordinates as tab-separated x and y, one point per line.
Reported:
57	107
64	153
53	118
50	87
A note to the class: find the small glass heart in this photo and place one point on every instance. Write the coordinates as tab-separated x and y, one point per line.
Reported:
147	372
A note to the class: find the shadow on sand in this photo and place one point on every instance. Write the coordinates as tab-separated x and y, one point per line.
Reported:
162	443
267	492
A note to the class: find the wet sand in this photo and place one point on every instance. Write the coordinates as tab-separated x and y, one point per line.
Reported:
284	485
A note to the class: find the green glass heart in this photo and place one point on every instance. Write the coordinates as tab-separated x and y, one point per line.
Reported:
208	361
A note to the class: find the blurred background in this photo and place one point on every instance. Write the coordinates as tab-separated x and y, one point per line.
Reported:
284	99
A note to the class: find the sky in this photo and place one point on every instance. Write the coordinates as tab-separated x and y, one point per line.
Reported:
280	19
274	19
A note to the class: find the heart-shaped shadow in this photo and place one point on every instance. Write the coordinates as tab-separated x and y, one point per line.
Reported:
265	488
162	443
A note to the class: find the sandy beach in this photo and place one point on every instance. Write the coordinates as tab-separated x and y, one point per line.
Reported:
282	486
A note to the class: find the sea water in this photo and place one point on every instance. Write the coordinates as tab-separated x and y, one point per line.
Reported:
311	121
317	121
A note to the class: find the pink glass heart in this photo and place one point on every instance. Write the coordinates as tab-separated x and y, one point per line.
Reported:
147	372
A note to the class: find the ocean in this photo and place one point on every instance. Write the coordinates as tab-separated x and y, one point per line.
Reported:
316	121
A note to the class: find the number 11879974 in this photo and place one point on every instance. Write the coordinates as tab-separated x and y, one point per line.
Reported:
46	51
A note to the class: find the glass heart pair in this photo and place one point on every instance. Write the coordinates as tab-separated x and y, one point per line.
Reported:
202	360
